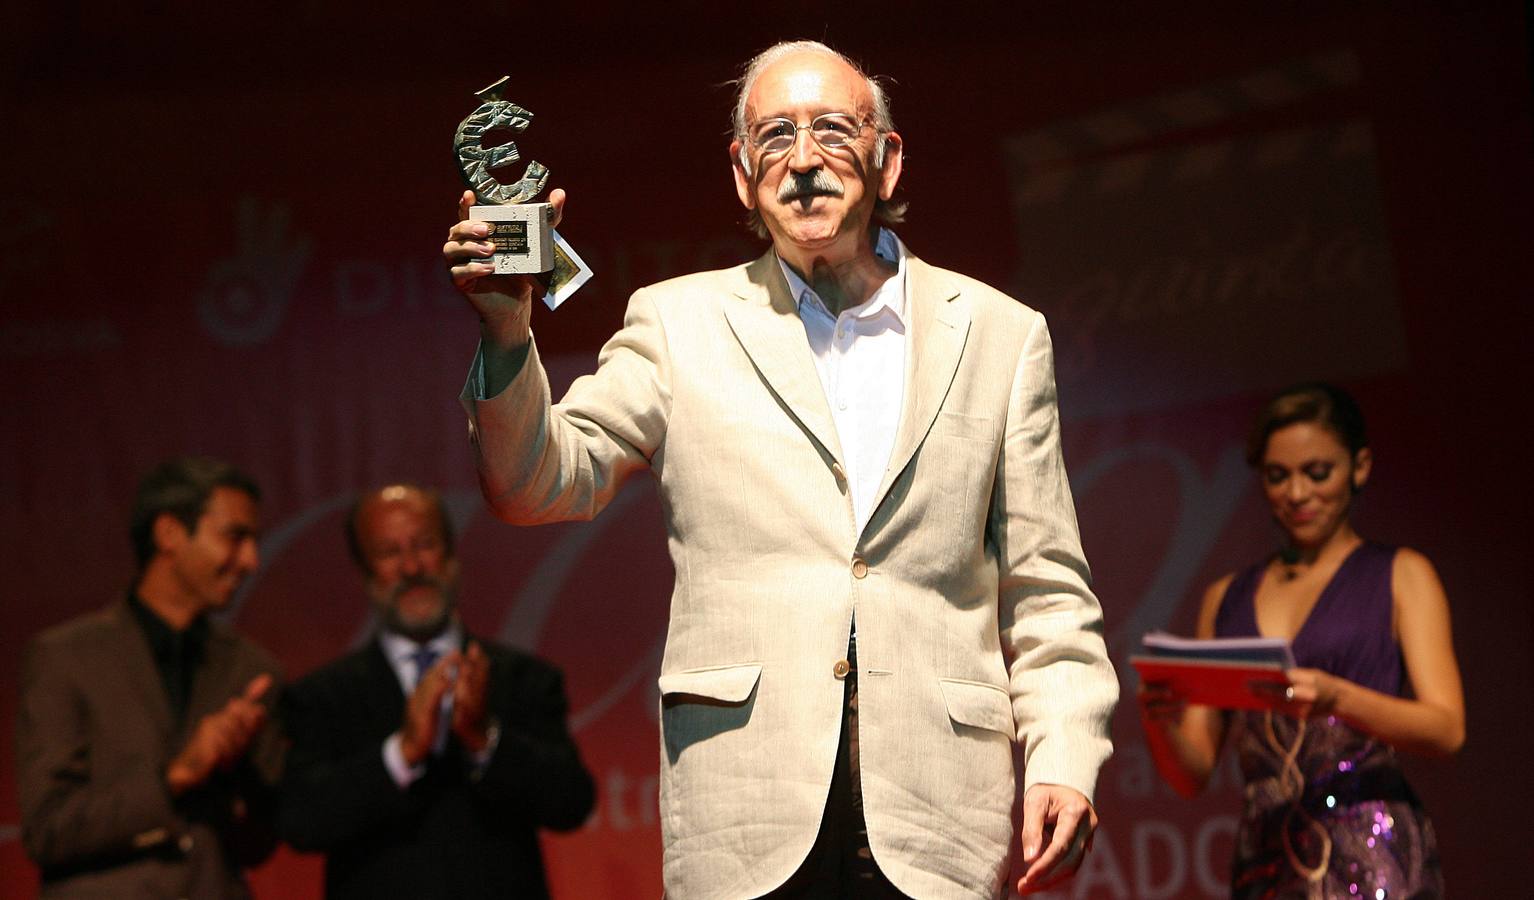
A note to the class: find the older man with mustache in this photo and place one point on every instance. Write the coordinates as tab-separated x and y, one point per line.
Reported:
881	620
423	764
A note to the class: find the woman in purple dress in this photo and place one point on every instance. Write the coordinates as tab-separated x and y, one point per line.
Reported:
1328	813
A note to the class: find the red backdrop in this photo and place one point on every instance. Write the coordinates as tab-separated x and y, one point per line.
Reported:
219	233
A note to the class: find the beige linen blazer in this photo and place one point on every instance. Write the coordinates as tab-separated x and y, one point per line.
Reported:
976	628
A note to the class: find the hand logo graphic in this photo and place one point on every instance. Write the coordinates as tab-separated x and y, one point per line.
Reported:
246	294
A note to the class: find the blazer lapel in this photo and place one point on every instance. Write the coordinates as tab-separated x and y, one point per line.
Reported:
768	327
938	329
384	694
211	687
136	666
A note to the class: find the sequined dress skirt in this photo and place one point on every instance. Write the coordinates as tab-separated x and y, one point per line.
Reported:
1328	815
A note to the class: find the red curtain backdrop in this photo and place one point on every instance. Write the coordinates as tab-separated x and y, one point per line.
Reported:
219	233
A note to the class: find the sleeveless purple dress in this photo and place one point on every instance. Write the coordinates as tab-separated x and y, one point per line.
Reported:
1328	812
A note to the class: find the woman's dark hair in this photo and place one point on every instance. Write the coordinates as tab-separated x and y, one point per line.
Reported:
1315	402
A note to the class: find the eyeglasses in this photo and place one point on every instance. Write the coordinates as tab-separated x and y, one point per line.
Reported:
830	130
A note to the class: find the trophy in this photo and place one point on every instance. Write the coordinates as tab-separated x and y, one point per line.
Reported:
523	232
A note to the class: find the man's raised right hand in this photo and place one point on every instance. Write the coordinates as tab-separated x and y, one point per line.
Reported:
220	738
503	302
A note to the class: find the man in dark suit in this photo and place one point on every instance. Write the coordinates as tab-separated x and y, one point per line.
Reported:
144	761
424	763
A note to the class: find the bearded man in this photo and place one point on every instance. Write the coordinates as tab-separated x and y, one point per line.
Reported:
423	764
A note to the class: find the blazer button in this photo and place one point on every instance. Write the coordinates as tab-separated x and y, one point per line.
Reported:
841	669
841	475
859	567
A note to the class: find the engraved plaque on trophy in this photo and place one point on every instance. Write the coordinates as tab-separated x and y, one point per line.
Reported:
522	231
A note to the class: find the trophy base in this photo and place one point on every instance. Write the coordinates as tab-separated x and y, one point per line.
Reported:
523	234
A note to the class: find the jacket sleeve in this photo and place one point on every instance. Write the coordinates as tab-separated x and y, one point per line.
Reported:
71	810
1062	683
542	463
255	782
334	790
536	772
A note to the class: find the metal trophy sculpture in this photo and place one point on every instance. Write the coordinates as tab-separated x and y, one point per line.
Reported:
523	232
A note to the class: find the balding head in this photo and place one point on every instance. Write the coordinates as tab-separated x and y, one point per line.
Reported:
425	499
402	538
866	98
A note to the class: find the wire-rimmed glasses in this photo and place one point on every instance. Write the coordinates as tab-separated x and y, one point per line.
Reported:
830	130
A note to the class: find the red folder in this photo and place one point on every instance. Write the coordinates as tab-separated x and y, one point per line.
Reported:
1221	683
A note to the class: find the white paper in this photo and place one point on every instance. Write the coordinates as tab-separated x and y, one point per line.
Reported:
569	273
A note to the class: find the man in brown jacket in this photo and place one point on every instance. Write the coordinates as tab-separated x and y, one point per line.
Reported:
144	761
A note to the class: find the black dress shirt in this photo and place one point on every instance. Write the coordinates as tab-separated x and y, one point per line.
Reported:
176	653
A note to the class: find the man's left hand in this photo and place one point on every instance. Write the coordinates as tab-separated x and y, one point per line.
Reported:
469	719
1058	824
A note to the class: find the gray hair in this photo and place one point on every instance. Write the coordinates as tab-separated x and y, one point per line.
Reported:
885	211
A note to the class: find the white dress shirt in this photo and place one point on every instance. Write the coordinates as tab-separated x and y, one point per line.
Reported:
860	356
401	651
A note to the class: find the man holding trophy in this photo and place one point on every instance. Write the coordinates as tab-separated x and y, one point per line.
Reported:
881	620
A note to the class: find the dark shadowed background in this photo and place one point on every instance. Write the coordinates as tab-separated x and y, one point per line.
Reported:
220	231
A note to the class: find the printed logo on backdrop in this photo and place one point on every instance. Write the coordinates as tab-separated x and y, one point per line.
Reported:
246	294
1186	248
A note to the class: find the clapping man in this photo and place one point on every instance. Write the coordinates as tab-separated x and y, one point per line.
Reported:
424	763
145	761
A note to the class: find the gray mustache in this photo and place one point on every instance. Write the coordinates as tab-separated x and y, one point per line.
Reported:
419	581
809	184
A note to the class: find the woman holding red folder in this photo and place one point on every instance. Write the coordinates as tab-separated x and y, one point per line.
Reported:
1328	812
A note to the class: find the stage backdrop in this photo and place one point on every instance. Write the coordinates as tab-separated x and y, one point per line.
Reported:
219	233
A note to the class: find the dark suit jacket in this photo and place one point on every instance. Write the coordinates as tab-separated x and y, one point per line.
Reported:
94	735
451	834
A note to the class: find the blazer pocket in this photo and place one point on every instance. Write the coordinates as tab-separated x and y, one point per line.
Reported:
721	684
978	705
